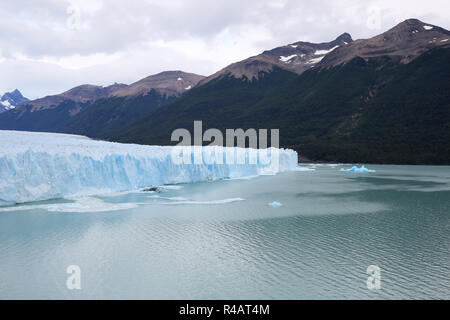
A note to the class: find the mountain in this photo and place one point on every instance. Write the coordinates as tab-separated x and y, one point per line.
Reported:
169	83
11	100
89	109
296	57
389	105
131	103
404	42
378	100
80	95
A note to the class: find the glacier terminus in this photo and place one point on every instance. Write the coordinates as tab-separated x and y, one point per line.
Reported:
43	166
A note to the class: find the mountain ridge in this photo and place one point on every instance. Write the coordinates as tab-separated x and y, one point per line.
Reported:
296	57
405	41
54	113
384	99
370	111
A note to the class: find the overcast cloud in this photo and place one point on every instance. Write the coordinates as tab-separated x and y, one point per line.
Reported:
49	46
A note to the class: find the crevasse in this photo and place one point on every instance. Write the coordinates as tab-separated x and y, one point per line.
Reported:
42	166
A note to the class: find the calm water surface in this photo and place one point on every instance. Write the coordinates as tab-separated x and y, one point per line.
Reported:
222	240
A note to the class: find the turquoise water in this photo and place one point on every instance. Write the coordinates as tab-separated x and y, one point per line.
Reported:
222	240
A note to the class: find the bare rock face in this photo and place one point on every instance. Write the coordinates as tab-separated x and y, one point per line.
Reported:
404	42
296	57
170	83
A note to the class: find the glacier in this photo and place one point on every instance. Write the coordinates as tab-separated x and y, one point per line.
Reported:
42	166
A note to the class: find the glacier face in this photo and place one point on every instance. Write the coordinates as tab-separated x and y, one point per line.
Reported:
42	166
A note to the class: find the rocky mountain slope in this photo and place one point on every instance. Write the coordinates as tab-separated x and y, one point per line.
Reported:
296	57
404	42
388	106
170	83
62	112
380	100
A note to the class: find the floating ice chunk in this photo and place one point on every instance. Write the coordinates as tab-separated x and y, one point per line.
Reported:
160	189
170	198
445	40
171	187
275	204
89	205
188	88
363	169
304	169
79	205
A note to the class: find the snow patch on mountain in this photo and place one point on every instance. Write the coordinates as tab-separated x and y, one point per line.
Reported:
315	60
324	52
7	104
287	59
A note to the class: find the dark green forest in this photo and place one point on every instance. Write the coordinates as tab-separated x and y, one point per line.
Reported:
375	111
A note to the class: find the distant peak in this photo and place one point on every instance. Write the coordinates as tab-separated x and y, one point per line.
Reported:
12	99
415	26
410	23
170	73
346	37
15	93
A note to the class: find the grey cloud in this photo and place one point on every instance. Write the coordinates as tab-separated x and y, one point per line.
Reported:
39	28
133	28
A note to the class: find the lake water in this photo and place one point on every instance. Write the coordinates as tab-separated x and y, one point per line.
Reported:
222	240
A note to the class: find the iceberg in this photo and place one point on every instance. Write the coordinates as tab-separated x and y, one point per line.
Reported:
363	169
42	166
275	204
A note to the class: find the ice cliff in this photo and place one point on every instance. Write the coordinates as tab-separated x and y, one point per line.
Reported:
41	166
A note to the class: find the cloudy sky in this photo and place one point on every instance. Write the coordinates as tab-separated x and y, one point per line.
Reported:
49	46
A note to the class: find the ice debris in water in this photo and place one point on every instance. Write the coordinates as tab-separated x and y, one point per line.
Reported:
363	169
275	204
